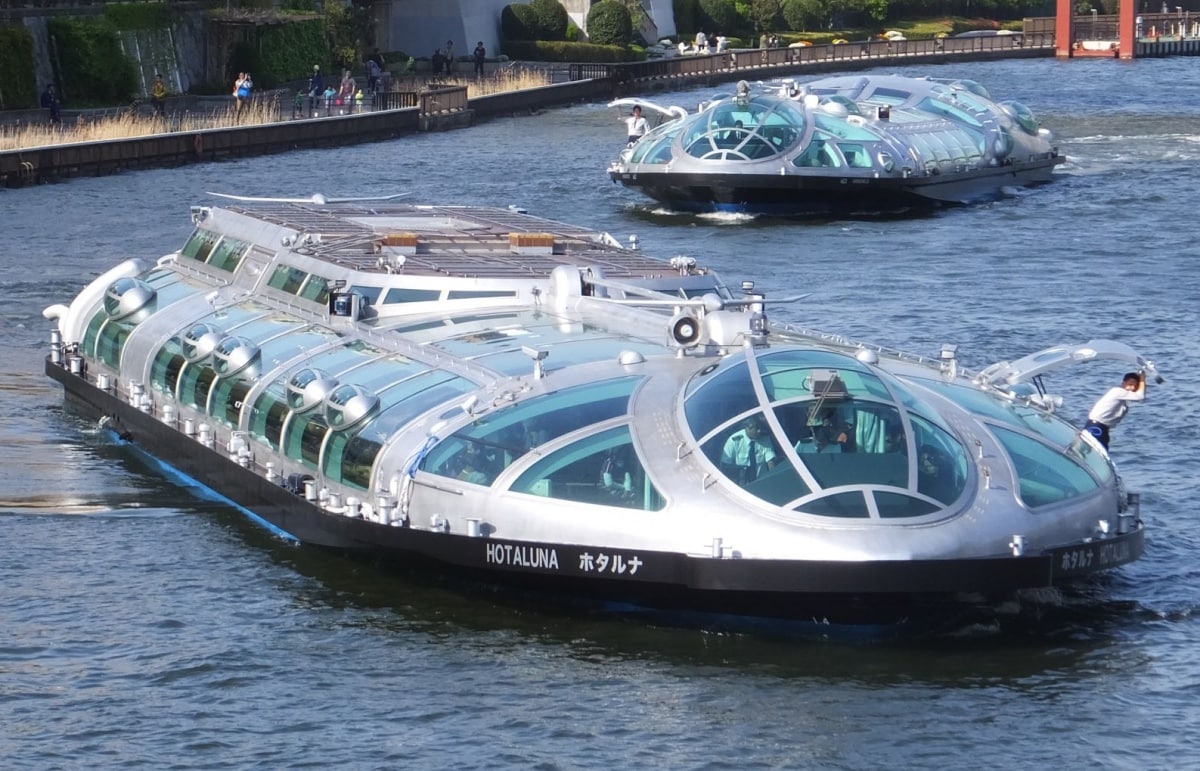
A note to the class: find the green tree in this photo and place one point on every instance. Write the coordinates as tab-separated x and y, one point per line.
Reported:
720	16
18	83
92	68
551	19
764	14
876	10
608	23
687	16
518	21
805	14
348	27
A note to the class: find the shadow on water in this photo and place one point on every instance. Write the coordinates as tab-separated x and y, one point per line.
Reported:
1007	643
1023	632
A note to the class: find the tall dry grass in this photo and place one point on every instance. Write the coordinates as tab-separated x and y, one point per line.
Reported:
510	78
135	123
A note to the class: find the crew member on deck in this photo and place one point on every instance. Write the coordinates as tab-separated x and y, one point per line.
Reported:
1110	408
637	125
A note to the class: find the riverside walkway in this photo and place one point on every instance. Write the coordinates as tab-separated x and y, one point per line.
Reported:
392	114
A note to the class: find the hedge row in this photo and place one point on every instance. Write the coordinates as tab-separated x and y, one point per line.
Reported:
138	15
535	20
608	23
18	81
563	51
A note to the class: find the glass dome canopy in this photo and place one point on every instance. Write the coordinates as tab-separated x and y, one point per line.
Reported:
743	129
821	433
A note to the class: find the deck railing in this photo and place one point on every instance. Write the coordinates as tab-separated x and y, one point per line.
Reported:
760	59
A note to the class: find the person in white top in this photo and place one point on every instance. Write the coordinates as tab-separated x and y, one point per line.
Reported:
1108	410
637	125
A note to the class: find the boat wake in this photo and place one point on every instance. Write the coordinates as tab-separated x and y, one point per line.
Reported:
73	506
727	217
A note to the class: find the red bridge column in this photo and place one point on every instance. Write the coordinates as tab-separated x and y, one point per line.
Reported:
1125	23
1064	31
1064	18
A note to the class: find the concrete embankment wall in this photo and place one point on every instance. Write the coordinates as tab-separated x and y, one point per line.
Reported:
41	164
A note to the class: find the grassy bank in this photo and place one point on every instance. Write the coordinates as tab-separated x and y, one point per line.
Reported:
137	123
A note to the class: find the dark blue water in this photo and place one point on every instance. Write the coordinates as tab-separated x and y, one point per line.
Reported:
142	625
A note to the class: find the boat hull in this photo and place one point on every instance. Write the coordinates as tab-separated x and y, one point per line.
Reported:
797	195
882	591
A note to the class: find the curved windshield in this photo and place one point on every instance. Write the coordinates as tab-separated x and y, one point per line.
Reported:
752	129
829	436
655	147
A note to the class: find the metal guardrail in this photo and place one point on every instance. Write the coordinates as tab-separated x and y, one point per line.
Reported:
442	99
394	100
749	60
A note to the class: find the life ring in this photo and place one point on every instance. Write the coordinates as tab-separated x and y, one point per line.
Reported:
198	143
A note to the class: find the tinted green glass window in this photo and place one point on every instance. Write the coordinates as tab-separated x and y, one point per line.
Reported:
228	400
200	245
941	462
512	432
897	506
723	396
818	153
350	456
849	505
838	127
746	452
601	469
228	254
168	362
92	332
267	416
856	155
1045	475
316	289
111	342
287	279
474	295
938	107
197	380
304	437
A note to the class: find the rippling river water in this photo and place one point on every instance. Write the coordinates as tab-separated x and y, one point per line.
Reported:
142	625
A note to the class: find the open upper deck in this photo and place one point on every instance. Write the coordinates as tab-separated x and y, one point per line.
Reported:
387	236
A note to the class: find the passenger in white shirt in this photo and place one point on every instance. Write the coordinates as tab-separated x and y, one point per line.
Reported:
1110	408
638	126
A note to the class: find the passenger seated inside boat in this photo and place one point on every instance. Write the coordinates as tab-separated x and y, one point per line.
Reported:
818	153
478	464
616	471
830	434
935	474
732	136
